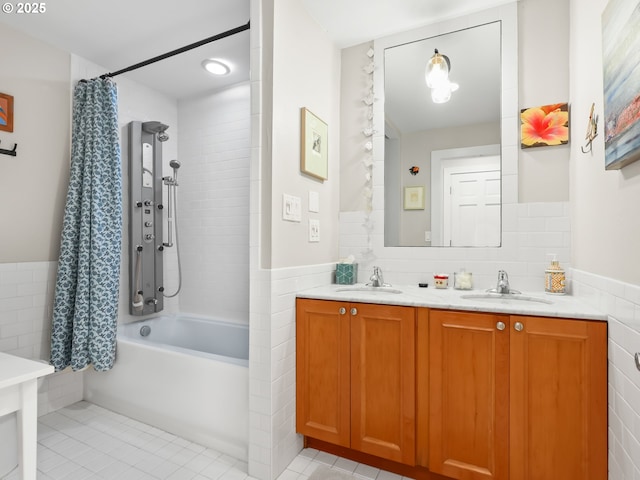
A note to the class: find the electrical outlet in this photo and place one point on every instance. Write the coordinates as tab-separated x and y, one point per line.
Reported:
427	236
314	230
291	208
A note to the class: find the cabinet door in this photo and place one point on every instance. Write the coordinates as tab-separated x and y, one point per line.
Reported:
558	399
383	381
469	405
322	375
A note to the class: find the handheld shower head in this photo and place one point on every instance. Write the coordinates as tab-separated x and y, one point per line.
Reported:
175	164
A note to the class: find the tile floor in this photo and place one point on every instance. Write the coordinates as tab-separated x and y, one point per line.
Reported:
87	442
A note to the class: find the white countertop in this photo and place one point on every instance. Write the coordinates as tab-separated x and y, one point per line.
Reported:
561	306
15	370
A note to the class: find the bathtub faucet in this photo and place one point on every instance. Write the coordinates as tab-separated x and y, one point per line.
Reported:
152	301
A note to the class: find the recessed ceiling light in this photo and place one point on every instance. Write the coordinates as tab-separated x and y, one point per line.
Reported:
215	67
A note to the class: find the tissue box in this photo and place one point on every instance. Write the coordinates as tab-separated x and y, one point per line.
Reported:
346	273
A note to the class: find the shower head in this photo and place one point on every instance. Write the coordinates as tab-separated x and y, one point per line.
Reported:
175	164
157	127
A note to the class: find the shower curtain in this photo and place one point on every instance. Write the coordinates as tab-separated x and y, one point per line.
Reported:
86	295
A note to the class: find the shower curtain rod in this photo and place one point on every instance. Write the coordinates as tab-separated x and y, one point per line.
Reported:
186	48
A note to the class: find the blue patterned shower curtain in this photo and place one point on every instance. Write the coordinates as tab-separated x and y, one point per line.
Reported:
86	298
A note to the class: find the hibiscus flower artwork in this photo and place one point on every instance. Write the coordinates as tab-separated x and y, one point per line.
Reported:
6	112
544	126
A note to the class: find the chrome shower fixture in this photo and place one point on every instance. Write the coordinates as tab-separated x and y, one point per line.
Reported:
157	127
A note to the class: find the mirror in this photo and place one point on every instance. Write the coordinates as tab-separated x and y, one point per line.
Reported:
456	145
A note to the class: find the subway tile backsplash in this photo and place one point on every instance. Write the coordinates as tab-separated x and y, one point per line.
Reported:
622	303
530	232
26	303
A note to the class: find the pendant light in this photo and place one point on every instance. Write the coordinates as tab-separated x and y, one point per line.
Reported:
437	77
437	71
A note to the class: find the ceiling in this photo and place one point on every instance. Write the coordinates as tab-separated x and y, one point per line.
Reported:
119	33
379	18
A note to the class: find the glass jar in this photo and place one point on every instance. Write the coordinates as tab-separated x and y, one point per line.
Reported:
462	280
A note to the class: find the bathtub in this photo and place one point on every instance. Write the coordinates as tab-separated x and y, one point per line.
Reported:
188	376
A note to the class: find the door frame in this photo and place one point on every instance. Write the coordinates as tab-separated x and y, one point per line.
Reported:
447	159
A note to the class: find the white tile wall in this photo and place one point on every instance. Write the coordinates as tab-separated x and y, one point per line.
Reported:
213	203
530	233
273	440
622	303
26	303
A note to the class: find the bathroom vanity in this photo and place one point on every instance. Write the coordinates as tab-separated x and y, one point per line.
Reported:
450	384
19	393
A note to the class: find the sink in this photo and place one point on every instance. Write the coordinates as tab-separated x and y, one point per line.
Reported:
504	298
367	289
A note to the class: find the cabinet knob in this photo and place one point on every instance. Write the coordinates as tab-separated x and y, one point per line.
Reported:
500	326
354	311
518	326
342	310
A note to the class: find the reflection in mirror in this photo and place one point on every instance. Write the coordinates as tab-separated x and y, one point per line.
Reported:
455	145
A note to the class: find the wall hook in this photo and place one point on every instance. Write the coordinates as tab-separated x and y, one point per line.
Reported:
592	131
12	152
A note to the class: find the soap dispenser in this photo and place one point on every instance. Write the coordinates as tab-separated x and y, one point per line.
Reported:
554	278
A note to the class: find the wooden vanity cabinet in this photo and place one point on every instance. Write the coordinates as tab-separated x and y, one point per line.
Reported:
356	376
323	371
517	397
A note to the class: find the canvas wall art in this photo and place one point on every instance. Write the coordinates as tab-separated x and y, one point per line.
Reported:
621	78
6	112
544	126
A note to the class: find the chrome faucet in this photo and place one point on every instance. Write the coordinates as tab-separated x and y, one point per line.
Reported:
503	282
503	287
376	278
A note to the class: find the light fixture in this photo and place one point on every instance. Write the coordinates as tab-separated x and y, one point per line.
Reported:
437	77
215	67
437	71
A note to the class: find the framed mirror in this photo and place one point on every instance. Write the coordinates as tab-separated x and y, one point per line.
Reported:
457	150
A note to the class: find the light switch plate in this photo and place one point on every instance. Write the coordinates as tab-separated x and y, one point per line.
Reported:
314	201
314	230
291	208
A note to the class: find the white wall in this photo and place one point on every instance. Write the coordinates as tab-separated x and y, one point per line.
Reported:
353	88
294	65
606	228
306	73
33	183
32	196
544	79
604	203
213	203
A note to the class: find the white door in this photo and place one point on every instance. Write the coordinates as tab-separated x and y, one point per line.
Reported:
472	210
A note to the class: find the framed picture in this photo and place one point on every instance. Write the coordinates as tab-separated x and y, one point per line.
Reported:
314	156
621	78
6	112
414	198
544	126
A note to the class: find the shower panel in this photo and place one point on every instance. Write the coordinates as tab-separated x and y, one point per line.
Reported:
145	217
